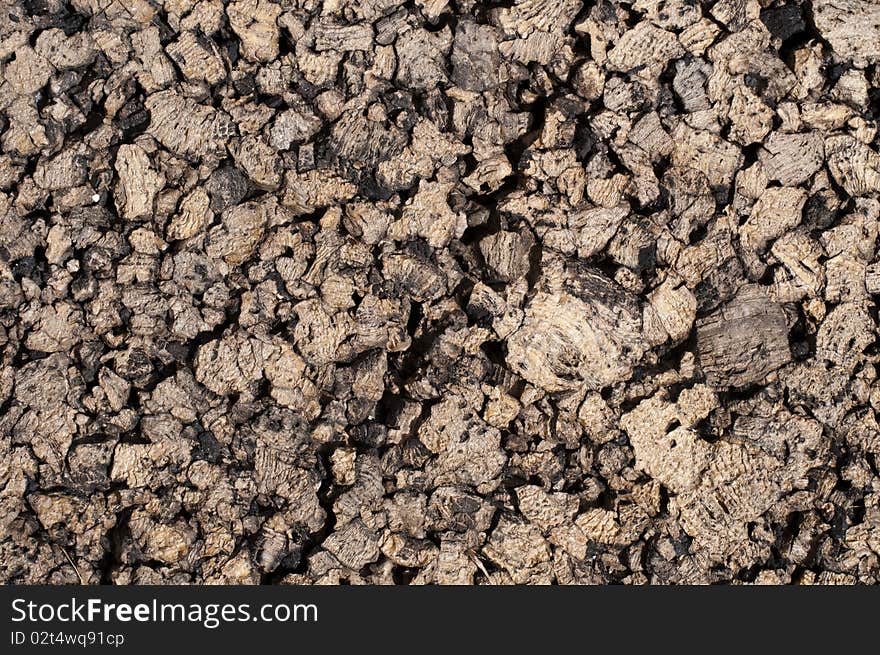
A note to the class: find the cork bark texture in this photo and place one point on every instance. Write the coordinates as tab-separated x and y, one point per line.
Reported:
439	292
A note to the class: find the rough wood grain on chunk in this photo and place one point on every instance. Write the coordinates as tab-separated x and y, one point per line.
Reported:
186	128
138	182
852	27
744	341
645	45
255	23
792	159
521	551
588	333
854	165
198	58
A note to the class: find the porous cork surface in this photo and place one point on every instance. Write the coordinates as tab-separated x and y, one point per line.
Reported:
370	291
